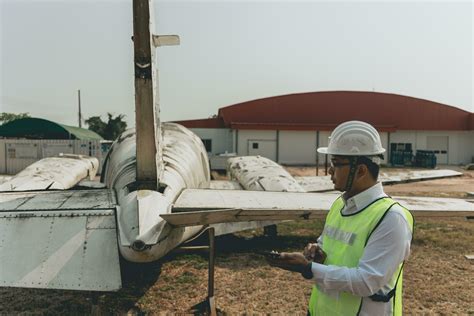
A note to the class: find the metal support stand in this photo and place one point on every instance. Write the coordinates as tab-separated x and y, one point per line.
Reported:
209	303
210	283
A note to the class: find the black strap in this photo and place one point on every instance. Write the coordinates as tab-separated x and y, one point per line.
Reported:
352	171
383	297
387	297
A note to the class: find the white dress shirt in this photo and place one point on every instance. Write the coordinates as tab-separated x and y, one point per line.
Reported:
386	248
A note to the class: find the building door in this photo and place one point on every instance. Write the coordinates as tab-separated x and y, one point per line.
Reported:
262	147
438	144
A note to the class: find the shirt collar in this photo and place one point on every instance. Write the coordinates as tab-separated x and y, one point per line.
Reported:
363	199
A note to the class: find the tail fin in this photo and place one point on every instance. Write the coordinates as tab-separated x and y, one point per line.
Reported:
148	133
147	120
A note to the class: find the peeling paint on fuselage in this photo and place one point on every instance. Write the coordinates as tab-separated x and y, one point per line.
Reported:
138	214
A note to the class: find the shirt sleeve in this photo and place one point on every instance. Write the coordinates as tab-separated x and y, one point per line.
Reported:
386	248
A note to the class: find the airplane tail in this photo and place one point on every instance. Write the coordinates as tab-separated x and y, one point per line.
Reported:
149	136
147	118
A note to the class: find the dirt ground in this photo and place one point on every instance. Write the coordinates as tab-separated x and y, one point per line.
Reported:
438	278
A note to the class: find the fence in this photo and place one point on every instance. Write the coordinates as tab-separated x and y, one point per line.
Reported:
17	154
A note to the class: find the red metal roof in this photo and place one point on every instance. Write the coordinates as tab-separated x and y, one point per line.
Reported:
214	122
326	110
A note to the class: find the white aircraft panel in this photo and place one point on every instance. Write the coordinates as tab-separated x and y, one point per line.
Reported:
431	206
417	175
201	207
315	184
58	173
59	240
324	183
4	178
59	250
225	185
57	200
239	215
198	199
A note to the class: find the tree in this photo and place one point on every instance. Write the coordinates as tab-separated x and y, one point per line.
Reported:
97	125
110	130
8	117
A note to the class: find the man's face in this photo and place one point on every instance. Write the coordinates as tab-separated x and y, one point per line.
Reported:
339	171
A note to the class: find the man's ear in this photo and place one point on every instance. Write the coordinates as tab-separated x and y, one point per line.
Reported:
362	171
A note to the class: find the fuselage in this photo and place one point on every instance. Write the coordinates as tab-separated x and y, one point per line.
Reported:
143	236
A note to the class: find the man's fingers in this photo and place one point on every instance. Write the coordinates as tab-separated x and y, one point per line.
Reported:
310	251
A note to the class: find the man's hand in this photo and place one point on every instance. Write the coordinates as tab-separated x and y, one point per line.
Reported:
313	252
291	261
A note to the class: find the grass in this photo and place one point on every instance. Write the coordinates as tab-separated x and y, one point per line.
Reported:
187	278
437	277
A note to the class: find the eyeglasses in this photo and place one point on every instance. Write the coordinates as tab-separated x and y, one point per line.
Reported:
339	164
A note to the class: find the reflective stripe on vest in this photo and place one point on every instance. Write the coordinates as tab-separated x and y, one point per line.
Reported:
344	239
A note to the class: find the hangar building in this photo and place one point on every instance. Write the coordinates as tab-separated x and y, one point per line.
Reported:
289	128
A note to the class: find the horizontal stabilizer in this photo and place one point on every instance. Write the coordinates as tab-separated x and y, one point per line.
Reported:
201	207
238	215
59	240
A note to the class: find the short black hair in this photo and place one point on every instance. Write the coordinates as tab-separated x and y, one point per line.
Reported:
373	168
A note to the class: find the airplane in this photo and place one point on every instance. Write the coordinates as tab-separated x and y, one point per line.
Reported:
60	231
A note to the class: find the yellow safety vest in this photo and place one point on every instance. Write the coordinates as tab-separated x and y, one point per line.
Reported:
344	238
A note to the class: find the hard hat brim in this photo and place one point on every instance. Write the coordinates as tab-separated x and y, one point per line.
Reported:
323	150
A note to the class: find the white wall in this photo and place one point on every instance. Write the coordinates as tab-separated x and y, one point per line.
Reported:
460	147
222	138
266	140
384	140
460	143
297	147
323	142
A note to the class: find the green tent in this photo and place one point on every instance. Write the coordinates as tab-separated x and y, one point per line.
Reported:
36	128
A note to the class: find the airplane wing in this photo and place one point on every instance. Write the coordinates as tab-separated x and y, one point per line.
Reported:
197	206
225	185
324	183
4	179
262	174
54	173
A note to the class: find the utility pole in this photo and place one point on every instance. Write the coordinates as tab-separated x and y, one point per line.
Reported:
79	102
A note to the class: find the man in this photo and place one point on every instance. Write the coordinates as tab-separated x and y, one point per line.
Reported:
357	264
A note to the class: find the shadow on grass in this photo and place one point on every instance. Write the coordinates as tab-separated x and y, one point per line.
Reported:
136	281
235	252
240	251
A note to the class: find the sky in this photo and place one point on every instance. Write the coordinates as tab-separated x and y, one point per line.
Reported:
231	52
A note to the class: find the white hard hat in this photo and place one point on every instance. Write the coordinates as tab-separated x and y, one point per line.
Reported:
354	138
